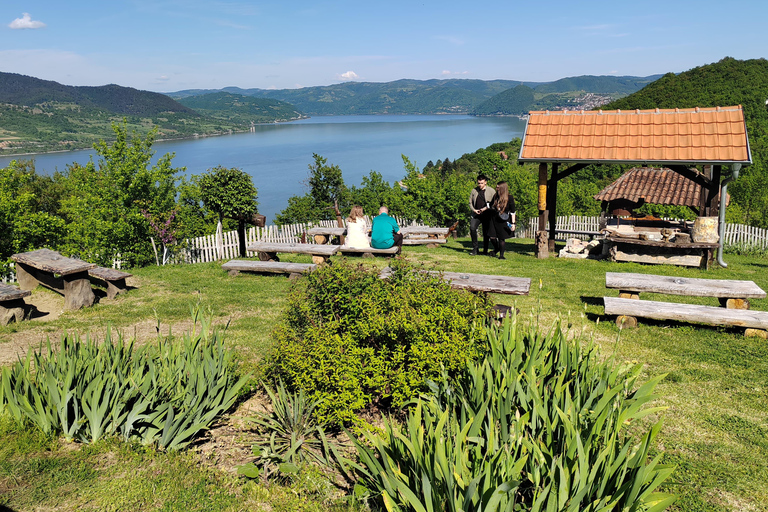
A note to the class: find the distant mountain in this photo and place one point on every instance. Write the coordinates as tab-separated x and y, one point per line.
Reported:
26	90
399	97
574	93
239	109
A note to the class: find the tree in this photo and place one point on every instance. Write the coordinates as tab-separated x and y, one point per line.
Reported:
230	193
326	190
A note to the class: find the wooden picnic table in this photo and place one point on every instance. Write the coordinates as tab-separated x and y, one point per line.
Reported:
12	305
322	234
267	251
428	231
67	276
479	282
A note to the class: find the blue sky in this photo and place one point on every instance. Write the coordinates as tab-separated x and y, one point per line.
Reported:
170	45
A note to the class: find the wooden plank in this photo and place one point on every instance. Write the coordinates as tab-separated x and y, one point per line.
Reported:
366	250
8	292
685	260
314	249
424	230
424	241
108	274
653	243
721	288
51	261
328	231
479	282
277	267
711	315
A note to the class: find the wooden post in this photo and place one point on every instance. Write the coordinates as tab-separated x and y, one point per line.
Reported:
552	207
542	247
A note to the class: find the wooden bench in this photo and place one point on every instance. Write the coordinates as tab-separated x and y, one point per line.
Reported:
733	297
293	270
12	305
431	243
66	276
267	251
424	231
367	252
322	235
113	280
479	282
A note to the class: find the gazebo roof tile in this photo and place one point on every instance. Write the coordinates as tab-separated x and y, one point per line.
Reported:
668	136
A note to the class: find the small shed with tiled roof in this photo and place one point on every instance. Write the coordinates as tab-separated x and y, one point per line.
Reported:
677	139
650	185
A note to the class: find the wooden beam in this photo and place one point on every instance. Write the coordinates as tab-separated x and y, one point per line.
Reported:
552	206
691	175
567	172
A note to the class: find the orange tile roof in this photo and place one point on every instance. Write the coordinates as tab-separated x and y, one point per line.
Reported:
654	186
662	136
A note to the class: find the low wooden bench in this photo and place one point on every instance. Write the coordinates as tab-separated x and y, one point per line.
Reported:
268	251
367	252
733	296
431	243
113	280
479	282
424	231
293	270
12	305
66	276
322	235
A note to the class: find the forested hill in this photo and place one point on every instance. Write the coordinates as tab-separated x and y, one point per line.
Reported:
18	89
724	83
399	97
241	109
580	92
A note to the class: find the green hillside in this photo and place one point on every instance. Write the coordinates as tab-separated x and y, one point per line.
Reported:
241	110
724	83
573	93
398	97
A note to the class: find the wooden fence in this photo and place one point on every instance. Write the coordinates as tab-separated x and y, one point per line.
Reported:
204	249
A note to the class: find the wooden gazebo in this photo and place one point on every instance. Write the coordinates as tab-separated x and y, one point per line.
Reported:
678	139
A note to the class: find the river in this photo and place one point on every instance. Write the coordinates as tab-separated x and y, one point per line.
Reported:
277	156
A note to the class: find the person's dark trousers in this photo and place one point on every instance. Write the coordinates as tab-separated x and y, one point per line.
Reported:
474	223
398	237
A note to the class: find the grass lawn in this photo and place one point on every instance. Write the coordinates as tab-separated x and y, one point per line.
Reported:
715	426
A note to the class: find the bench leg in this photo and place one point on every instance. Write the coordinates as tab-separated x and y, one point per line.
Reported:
319	260
626	322
11	310
268	256
320	239
629	295
26	277
77	291
756	333
734	303
115	287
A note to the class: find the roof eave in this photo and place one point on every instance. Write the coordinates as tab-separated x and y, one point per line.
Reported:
646	163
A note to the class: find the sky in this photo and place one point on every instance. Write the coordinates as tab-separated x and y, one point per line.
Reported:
172	45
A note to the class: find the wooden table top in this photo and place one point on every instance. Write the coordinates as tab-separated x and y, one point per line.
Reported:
51	261
322	250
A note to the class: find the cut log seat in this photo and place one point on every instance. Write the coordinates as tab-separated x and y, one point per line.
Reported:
368	252
112	279
12	305
273	267
711	315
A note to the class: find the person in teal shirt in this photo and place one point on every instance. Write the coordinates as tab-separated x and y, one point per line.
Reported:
385	231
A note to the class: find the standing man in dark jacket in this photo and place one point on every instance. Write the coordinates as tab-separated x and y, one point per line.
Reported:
479	203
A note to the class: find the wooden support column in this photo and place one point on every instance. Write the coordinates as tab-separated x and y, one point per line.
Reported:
542	247
704	195
713	206
552	207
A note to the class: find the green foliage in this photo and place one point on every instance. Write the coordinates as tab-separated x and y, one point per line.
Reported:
228	192
166	393
103	205
326	189
23	223
350	339
289	437
537	424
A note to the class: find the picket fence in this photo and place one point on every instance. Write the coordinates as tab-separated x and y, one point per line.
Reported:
739	235
204	249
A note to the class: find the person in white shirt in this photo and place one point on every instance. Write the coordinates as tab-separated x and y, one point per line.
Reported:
357	229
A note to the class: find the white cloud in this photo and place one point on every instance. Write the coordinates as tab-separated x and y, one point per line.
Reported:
446	72
349	75
26	21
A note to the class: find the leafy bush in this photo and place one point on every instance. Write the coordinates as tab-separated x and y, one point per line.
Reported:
350	339
166	393
537	424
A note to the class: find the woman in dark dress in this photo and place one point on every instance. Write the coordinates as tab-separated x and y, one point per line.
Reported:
503	220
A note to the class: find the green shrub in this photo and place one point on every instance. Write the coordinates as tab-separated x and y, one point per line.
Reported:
166	393
350	339
538	424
